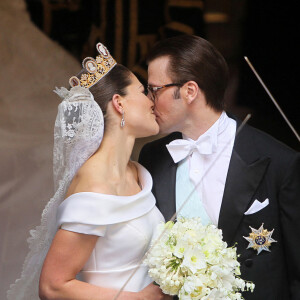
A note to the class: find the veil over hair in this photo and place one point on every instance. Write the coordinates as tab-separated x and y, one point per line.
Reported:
78	133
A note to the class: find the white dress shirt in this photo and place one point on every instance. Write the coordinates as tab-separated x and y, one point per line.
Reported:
207	171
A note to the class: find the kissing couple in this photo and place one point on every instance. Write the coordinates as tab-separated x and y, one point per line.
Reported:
102	217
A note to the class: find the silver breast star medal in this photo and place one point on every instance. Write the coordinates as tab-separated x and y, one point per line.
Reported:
260	239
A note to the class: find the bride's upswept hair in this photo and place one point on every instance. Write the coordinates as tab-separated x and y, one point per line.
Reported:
114	82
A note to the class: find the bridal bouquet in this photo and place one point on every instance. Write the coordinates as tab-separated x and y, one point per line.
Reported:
192	261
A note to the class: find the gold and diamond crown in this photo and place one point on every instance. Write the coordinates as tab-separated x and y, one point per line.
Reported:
96	68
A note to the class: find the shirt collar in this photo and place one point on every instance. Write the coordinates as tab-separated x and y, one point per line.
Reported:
216	129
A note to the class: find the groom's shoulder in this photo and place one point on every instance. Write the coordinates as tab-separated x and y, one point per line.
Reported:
252	143
252	138
265	143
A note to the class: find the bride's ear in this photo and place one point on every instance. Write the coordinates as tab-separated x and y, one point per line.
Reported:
117	102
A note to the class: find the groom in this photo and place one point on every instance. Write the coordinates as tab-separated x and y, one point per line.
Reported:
242	179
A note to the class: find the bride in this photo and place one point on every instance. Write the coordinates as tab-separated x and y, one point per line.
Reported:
100	221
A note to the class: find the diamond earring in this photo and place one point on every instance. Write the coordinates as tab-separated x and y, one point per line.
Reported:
123	120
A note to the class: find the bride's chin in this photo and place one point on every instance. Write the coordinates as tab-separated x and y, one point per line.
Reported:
155	128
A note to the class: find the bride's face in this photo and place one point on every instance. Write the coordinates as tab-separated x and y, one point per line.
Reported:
139	111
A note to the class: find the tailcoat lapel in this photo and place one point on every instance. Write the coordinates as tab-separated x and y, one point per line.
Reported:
165	189
246	171
165	181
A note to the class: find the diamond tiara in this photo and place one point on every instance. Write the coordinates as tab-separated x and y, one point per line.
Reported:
96	68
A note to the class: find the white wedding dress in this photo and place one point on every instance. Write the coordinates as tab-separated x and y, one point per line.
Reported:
125	226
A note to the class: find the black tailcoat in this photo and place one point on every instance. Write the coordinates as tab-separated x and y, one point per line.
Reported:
260	168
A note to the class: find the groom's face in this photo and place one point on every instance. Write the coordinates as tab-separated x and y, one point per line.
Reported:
169	107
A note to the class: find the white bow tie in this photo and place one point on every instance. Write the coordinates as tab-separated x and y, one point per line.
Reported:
180	149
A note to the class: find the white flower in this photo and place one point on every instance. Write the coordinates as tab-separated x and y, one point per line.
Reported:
180	248
194	260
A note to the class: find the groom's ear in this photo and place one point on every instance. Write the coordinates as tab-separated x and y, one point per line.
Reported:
190	91
117	102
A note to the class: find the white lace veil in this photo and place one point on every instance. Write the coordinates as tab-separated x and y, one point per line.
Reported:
78	133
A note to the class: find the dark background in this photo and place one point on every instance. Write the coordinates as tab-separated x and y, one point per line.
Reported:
265	31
